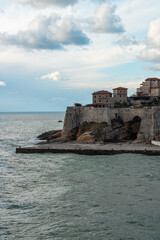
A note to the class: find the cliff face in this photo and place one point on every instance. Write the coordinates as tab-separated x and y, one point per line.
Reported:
122	123
90	132
89	125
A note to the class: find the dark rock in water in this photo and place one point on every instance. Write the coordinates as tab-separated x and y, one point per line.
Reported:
46	135
60	121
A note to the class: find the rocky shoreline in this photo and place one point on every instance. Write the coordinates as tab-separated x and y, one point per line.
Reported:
92	132
95	139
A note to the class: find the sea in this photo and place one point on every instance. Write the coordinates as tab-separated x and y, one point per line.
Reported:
70	196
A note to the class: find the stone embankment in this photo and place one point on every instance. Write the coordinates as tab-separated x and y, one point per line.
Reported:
109	126
92	149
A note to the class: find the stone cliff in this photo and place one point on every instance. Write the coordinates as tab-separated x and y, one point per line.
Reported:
142	124
89	125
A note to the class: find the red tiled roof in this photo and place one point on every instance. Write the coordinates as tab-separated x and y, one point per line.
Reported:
102	92
152	79
120	88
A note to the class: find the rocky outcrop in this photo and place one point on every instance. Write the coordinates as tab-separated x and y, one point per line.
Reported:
86	137
90	132
48	135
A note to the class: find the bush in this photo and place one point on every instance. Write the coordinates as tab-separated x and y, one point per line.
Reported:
78	105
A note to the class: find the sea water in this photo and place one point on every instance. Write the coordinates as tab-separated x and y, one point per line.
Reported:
70	196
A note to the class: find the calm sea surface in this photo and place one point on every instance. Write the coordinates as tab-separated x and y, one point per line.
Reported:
69	196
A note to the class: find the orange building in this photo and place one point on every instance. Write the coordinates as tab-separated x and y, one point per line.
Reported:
150	87
105	99
120	94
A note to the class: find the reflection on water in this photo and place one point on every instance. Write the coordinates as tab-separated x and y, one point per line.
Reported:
69	196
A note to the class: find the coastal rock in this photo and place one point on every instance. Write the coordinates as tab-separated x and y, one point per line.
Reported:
59	139
86	137
55	135
91	132
70	135
47	135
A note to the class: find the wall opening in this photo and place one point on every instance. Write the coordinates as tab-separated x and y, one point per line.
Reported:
135	126
116	115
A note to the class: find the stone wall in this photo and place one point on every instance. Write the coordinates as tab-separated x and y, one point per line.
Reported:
75	116
156	123
150	118
146	114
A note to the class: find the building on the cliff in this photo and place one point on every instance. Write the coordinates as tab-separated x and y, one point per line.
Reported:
147	95
102	99
138	123
120	94
138	101
150	87
105	99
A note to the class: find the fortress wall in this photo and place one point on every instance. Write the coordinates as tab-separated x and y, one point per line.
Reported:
127	114
75	116
156	123
70	120
146	115
150	123
146	127
91	114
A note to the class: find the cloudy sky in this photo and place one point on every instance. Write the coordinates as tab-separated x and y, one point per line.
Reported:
54	53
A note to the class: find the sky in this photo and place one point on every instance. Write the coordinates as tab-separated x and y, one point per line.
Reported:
54	53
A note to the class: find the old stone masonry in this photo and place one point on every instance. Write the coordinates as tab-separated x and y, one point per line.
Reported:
144	123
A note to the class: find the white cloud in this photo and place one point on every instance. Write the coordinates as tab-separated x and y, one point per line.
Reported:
155	67
126	41
2	84
13	93
137	14
55	76
44	32
58	99
150	55
130	85
105	20
44	3
152	51
153	34
60	3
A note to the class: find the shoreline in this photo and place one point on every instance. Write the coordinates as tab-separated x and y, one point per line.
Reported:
92	149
